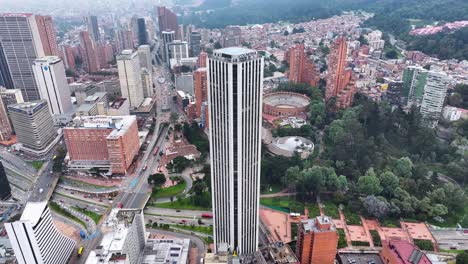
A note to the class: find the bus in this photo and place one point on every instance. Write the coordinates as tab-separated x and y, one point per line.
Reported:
80	251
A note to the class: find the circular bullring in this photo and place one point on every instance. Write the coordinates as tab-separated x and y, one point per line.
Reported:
285	104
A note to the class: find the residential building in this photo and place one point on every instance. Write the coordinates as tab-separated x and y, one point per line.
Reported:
402	252
93	28
375	40
340	84
34	126
317	241
167	20
48	36
88	53
435	92
11	96
202	57
274	253
20	30
144	54
35	239
53	87
124	39
5	126
414	81
105	142
235	112
232	36
201	89
146	83
68	57
142	34
128	65
301	68
174	251
195	43
5	190
126	240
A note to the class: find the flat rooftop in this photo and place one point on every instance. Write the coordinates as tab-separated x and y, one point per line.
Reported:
161	251
235	51
119	124
33	211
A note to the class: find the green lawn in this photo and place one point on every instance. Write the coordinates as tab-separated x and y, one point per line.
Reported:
314	210
96	217
352	218
360	244
341	239
196	228
170	191
59	210
37	164
285	204
269	189
376	238
331	210
390	222
424	244
184	204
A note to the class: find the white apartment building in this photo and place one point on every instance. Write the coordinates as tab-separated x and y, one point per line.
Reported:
53	87
435	92
235	84
36	240
128	65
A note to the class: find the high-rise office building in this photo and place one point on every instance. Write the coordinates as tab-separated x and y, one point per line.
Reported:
235	85
5	190
53	87
48	36
128	64
93	28
5	76
167	20
201	89
195	42
35	239
21	45
33	124
340	84
301	68
11	96
142	34
167	37
144	53
88	53
146	82
177	50
5	126
317	241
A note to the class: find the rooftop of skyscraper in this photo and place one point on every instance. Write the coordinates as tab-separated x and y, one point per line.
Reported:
319	224
28	107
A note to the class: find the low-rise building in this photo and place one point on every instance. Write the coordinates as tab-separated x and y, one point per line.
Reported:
402	252
275	253
162	251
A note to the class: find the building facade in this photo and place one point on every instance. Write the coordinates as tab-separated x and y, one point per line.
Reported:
201	89
317	241
21	44
177	50
144	54
301	69
195	43
128	64
5	190
142	34
93	28
33	124
102	142
235	84
167	20
48	36
53	87
36	240
88	53
5	126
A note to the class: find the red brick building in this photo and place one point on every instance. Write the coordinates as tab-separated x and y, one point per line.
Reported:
47	34
88	52
340	84
301	68
200	87
402	252
317	241
94	141
201	62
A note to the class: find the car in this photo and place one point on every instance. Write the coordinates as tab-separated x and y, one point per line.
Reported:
177	211
100	200
72	192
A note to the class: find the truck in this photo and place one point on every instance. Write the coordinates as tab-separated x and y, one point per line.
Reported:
207	215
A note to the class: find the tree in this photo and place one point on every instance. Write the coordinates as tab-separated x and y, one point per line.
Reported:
178	164
389	182
403	167
286	33
178	127
156	179
369	184
438	210
462	258
174	117
292	174
376	206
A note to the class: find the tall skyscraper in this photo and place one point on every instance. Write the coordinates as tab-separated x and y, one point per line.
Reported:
235	85
68	57
201	89
301	69
147	83
21	44
33	125
88	53
5	189
124	39
195	42
414	81
5	126
144	53
48	36
142	34
35	239
128	64
167	20
53	87
317	241
93	28
5	76
167	37
339	79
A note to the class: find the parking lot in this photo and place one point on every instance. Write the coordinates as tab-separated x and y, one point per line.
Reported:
451	239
